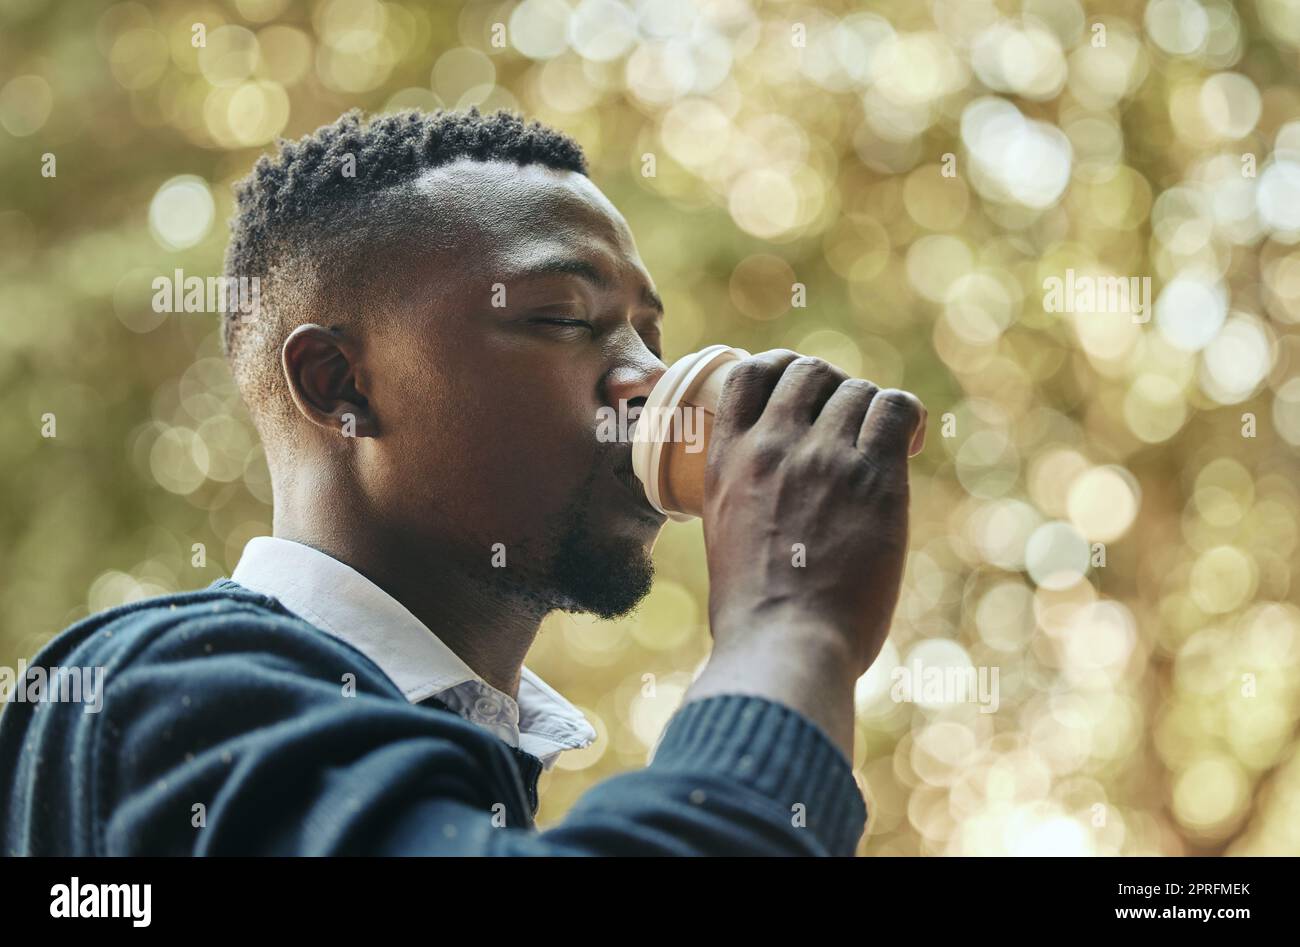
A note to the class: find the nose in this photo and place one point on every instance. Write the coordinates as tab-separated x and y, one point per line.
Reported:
633	381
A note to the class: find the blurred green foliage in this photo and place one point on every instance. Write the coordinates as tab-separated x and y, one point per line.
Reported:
921	172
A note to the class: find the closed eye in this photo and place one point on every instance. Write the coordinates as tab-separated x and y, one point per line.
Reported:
590	327
568	322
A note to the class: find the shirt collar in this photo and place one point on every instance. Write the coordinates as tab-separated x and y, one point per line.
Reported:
341	601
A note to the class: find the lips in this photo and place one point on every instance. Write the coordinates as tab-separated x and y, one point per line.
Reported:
627	476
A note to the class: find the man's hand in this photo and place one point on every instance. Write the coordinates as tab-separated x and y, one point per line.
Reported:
804	456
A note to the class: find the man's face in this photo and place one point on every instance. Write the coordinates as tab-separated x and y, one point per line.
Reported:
487	387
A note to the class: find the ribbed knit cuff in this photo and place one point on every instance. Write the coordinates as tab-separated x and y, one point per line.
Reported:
775	750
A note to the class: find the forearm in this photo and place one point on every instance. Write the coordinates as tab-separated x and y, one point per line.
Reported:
804	667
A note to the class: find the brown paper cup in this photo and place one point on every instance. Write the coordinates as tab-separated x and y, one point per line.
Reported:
671	444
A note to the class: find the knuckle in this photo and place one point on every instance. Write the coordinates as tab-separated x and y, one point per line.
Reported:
812	366
902	401
748	371
810	362
773	360
900	396
822	457
767	451
860	387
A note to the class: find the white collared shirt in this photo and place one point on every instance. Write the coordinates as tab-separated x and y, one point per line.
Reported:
339	600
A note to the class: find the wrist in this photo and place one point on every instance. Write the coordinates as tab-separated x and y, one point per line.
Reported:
795	635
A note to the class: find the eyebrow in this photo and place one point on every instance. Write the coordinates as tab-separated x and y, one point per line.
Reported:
571	266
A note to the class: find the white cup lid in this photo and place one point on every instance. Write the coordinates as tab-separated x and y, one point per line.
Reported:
647	442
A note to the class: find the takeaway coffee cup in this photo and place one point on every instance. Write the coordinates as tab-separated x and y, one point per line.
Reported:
670	445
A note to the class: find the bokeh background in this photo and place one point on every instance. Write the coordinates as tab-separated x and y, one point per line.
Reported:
1147	706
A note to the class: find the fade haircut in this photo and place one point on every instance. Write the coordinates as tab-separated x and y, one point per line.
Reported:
311	219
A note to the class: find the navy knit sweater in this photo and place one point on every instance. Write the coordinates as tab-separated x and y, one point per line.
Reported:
226	729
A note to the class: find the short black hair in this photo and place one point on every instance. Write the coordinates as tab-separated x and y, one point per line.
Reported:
306	217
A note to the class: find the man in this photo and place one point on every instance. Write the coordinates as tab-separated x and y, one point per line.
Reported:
446	302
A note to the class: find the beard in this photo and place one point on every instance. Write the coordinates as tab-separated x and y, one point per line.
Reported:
598	574
588	570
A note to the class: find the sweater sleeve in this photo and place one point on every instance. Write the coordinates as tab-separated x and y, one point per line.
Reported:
230	735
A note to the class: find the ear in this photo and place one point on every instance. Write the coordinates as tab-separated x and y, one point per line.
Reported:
320	365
